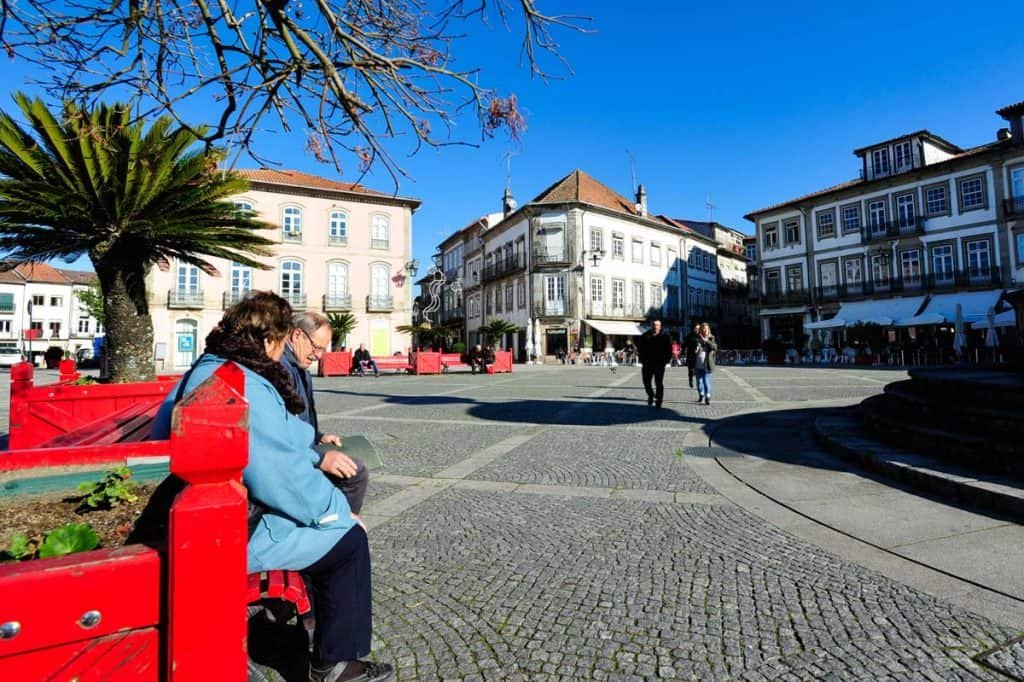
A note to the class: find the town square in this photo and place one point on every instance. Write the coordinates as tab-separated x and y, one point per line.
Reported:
526	340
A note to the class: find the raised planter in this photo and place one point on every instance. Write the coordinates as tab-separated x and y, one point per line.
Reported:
336	364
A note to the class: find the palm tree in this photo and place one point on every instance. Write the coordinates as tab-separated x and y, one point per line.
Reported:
496	329
96	183
342	325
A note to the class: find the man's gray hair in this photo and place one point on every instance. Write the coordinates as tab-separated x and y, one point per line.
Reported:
310	320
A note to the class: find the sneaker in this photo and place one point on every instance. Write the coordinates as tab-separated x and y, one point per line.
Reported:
650	400
707	400
700	398
352	671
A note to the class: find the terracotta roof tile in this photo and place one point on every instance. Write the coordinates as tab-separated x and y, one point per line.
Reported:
79	276
40	272
294	178
10	277
578	186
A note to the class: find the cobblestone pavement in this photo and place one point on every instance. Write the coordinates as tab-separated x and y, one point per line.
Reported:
546	525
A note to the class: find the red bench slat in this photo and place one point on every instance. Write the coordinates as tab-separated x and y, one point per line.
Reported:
286	585
95	431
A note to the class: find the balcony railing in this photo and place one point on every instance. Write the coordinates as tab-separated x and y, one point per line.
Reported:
974	277
337	240
232	297
542	256
190	298
608	310
293	237
893	229
383	244
790	297
452	314
504	267
1014	206
295	300
379	304
337	302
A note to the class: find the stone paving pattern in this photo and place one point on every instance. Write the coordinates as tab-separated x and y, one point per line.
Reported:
545	525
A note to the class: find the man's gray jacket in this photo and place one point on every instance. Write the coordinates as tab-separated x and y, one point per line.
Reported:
303	381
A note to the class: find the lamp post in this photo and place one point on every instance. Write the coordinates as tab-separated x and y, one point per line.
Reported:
595	256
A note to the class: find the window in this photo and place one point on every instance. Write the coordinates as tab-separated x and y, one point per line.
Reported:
291	221
241	281
905	211
379	232
380	278
497	299
972	193
596	240
879	271
772	282
771	236
853	270
904	158
37	327
337	227
792	231
670	258
638	251
38	300
942	264
910	268
876	211
509	292
291	280
638	296
597	290
826	224
488	304
54	330
794	278
936	201
243	205
337	285
656	297
880	162
979	262
5	326
618	246
618	294
554	292
521	293
851	219
187	282
1020	249
83	326
655	254
56	301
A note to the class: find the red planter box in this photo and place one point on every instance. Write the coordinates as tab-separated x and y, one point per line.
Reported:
336	364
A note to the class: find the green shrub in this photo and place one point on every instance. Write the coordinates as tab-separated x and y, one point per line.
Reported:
110	491
68	539
458	347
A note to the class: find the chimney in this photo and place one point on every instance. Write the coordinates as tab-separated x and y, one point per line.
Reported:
641	200
1003	134
508	204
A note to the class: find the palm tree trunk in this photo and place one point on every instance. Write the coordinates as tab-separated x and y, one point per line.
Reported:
129	340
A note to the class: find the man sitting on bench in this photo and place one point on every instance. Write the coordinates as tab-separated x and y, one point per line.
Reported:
477	360
362	360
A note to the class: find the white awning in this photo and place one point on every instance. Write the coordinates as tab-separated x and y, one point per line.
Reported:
617	327
826	324
975	304
1003	319
784	311
919	320
883	311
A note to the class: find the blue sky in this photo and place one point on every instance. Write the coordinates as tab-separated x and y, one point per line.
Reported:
748	103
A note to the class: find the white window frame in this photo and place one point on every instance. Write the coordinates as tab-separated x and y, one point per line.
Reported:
945	254
338	280
903	153
380	231
618	294
292	279
596	289
637	251
791	224
851	219
877	226
291	222
337	230
880	162
596	240
931	200
241	280
906	209
974	252
655	253
963	193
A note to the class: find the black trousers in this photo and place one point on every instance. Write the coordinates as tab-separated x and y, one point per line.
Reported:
354	487
342	595
656	372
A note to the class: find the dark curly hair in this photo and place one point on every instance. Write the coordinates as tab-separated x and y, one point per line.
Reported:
239	336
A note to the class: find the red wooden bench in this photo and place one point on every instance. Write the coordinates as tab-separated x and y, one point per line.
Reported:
183	620
453	361
397	363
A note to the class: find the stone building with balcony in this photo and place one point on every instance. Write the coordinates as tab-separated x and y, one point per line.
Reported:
580	265
341	248
925	224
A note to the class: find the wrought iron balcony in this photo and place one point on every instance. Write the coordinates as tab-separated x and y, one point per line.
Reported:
790	297
295	300
605	309
963	279
893	229
542	256
1014	206
453	314
382	244
337	302
292	237
503	267
232	297
379	304
185	298
337	240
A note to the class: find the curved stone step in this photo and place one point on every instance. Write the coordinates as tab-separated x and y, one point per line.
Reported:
843	435
963	414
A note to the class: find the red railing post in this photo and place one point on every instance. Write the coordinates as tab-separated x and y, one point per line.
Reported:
68	372
21	383
206	576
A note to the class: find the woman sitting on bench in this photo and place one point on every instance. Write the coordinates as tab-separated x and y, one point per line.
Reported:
301	521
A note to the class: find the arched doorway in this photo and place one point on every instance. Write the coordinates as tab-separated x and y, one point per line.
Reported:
185	338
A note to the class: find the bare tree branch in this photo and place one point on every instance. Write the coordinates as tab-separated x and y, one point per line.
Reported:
354	74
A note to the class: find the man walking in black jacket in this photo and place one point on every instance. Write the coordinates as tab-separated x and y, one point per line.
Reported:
655	352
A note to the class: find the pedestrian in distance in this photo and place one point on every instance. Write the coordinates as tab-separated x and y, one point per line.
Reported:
655	351
364	360
704	362
690	348
477	360
307	343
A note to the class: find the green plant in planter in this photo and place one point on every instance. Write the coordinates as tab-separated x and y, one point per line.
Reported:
342	325
22	547
68	539
110	491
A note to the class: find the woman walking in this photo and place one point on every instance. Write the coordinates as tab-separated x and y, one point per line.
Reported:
704	362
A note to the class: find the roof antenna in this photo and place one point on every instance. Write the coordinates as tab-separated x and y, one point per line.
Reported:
711	209
632	169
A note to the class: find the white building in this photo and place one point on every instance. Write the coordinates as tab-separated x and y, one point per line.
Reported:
925	223
341	248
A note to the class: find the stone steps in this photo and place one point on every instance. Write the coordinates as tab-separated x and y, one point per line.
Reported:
959	414
844	436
